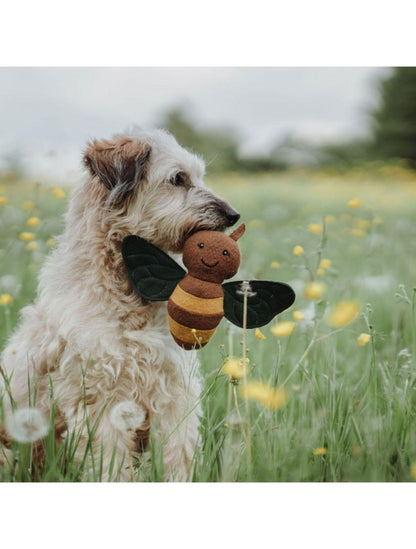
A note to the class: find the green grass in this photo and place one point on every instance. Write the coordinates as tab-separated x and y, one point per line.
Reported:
356	401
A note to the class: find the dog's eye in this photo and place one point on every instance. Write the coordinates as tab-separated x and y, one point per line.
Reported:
225	252
201	245
178	180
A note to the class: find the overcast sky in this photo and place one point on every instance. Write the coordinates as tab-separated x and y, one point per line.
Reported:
49	113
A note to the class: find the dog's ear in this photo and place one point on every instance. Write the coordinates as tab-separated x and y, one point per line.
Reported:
119	164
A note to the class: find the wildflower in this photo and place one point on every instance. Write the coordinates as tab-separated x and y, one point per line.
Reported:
320	451
26	237
345	217
283	329
413	471
343	313
5	299
325	264
235	368
33	221
127	415
329	219
314	290
256	223
27	425
363	339
320	271
297	250
354	203
298	315
357	232
268	396
363	224
58	192
315	228
259	334
355	450
378	221
3	200
28	205
274	265
32	246
50	242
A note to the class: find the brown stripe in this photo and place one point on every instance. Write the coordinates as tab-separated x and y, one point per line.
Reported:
201	288
187	346
192	303
187	335
193	320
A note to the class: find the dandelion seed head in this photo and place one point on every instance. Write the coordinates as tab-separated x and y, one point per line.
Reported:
127	415
27	425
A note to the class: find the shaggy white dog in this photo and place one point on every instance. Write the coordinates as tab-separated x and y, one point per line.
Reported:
89	333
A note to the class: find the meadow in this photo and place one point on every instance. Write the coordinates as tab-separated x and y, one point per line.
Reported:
331	383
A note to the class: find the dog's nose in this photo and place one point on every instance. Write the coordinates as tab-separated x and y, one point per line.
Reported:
231	215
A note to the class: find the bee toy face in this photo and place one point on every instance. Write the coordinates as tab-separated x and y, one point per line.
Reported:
212	256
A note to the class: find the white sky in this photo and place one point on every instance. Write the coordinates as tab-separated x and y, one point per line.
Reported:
59	109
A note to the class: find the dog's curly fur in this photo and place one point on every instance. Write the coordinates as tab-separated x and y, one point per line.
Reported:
88	332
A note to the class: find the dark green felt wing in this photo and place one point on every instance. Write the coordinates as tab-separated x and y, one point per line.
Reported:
269	299
153	273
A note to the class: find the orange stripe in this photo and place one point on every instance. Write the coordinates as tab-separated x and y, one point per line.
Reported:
199	337
197	304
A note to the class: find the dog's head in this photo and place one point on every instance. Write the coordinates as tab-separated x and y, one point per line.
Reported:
152	187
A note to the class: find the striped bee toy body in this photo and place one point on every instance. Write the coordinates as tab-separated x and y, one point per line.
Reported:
194	311
198	299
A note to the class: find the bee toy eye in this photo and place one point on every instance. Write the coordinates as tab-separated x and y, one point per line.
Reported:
201	245
225	252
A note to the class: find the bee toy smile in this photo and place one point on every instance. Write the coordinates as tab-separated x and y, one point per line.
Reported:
198	299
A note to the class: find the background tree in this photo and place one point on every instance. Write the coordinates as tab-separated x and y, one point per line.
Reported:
394	121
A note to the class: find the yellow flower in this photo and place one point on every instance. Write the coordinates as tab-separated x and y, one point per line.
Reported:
274	265
345	217
283	329
26	237
58	192
28	205
32	246
363	339
259	334
235	368
363	224
329	219
413	471
343	313
320	451
354	203
357	232
355	450
315	228
298	315
5	299
325	264
297	250
3	200
255	223
33	221
268	396
314	290
378	221
320	271
50	242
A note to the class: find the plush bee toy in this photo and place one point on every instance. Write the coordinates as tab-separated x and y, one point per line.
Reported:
198	300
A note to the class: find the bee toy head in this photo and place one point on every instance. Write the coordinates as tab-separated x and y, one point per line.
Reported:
213	256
